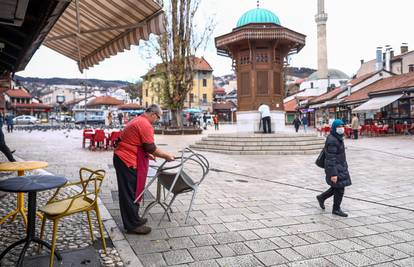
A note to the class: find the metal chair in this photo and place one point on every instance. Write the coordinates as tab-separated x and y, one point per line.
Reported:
84	201
178	179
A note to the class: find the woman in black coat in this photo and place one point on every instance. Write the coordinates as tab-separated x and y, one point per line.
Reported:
336	168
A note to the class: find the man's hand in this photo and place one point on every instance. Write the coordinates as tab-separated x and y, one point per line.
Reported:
169	157
152	157
334	179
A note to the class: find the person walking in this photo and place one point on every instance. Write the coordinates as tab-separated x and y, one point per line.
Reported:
131	161
3	147
205	121
10	123
216	122
265	117
355	125
296	123
305	123
336	169
120	118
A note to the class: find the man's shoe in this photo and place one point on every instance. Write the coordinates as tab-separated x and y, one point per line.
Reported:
140	230
142	221
339	212
321	202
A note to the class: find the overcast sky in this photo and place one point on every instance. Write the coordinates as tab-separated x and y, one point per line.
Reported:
355	28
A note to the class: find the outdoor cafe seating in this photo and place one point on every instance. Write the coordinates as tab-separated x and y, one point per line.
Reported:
100	138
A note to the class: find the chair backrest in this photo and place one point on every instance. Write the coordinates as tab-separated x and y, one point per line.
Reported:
115	135
91	179
99	136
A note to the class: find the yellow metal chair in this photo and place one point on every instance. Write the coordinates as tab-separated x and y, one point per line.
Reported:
85	201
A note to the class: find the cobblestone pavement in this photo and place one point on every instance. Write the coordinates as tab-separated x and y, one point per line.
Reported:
261	210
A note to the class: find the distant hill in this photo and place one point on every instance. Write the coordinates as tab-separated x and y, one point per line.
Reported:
59	81
299	72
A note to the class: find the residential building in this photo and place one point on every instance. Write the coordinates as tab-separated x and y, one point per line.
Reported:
201	95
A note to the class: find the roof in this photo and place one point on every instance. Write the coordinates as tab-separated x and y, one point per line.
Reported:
327	96
223	105
390	83
104	101
129	106
365	77
23	27
332	73
32	105
90	31
219	90
291	105
18	93
199	64
258	15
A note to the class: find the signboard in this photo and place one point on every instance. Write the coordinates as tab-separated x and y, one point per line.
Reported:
60	99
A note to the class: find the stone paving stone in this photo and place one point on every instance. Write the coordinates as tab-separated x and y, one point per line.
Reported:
260	245
207	263
294	240
338	261
204	253
269	232
152	260
320	236
204	229
346	245
344	233
270	258
175	257
317	250
219	228
150	246
361	242
376	240
227	237
233	218
248	235
305	228
366	230
405	262
280	242
181	231
357	259
375	255
404	247
225	250
402	235
386	264
180	242
319	262
204	240
239	248
208	220
247	225
290	254
391	252
279	222
239	261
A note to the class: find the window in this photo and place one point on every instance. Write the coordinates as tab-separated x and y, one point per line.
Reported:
146	104
146	92
311	84
191	98
204	98
204	82
262	83
245	83
277	85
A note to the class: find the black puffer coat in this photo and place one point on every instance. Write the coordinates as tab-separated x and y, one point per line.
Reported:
335	162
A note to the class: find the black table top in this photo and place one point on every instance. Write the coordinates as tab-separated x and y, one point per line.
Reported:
32	183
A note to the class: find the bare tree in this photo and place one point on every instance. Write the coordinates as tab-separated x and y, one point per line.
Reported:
177	48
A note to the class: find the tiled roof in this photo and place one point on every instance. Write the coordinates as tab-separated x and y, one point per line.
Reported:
390	83
104	101
327	96
224	105
32	105
219	90
198	64
18	93
358	80
129	106
291	105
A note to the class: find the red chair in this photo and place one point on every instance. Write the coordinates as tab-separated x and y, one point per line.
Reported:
384	129
348	132
375	130
112	139
399	129
98	139
87	135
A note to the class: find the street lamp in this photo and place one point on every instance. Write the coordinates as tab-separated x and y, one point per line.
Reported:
84	106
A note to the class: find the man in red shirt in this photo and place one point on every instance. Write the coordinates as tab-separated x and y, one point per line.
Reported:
131	164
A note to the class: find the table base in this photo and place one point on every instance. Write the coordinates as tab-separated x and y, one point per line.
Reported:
155	202
20	209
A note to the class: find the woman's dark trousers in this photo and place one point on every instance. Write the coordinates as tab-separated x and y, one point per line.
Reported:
338	194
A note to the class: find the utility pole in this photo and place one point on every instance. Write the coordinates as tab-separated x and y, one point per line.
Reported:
84	112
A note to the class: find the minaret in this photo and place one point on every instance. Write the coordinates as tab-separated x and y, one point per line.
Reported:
321	19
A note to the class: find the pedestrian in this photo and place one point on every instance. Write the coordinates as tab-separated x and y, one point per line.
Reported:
265	117
120	118
355	125
10	123
3	147
305	122
216	122
187	118
336	168
205	121
109	118
131	160
296	123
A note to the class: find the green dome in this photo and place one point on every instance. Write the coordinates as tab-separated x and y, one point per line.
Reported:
258	15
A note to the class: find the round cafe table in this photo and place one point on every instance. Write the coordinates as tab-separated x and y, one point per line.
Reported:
20	167
30	184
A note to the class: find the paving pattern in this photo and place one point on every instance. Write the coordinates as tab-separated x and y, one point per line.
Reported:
261	210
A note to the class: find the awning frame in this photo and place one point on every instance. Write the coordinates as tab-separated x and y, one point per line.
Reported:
376	103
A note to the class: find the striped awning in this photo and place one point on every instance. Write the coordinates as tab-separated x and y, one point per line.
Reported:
90	31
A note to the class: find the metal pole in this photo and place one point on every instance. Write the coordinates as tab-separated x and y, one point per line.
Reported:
85	119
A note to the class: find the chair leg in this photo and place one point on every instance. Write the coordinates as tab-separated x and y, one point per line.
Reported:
42	231
101	230
52	250
90	225
166	210
191	204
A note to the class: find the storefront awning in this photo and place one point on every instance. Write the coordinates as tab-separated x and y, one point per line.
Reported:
375	104
90	31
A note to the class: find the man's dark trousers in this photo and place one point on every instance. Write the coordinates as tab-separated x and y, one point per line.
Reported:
4	148
338	194
127	182
355	134
266	125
